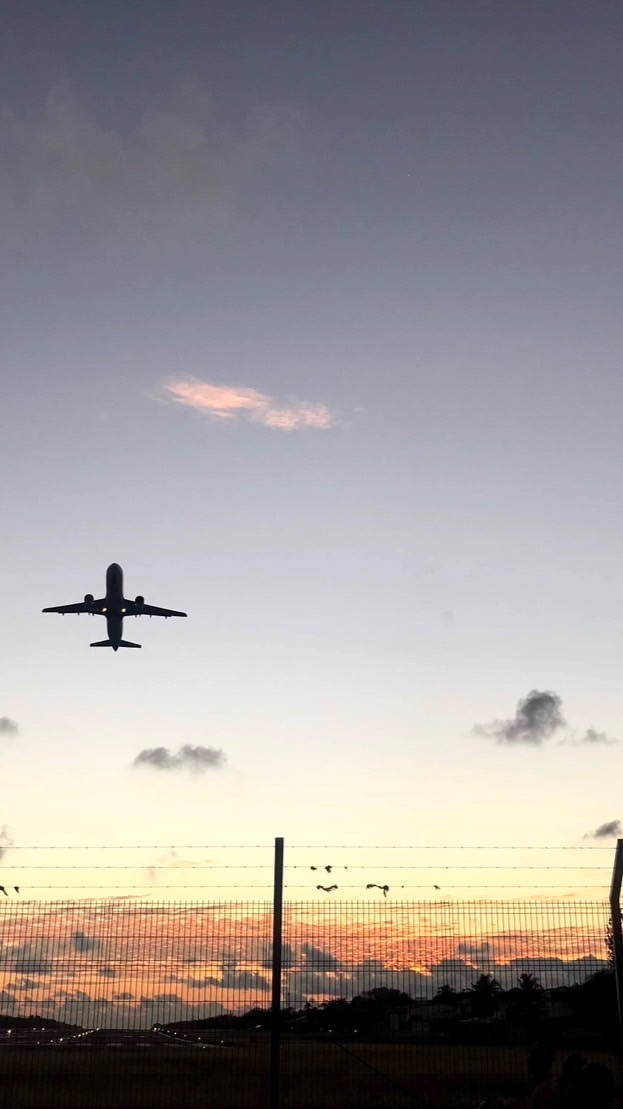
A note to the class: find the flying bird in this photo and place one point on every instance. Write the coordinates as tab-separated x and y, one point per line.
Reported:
375	886
327	889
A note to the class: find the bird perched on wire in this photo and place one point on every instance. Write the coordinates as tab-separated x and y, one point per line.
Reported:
375	886
327	889
4	891
327	868
437	887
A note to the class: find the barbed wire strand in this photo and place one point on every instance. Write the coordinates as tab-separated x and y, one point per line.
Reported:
300	847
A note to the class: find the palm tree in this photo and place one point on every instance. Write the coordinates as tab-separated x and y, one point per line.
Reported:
527	1006
529	983
484	995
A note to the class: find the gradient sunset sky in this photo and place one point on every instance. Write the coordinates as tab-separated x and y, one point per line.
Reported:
311	319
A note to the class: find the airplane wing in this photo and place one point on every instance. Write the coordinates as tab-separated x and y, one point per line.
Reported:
94	606
150	610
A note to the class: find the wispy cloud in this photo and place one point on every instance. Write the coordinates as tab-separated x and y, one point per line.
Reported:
178	162
195	759
538	717
227	402
605	831
6	840
591	735
8	726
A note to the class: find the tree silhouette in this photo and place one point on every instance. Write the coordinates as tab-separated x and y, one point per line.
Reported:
446	994
386	997
529	984
609	940
483	995
371	1007
527	1004
595	1002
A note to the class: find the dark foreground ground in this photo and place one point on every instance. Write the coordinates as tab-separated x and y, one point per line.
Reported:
111	1069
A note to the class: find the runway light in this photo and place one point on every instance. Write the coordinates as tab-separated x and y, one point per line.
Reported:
124	610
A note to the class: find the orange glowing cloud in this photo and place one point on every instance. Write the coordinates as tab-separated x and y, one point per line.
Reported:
226	402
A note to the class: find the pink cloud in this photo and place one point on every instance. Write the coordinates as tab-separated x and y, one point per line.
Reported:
228	401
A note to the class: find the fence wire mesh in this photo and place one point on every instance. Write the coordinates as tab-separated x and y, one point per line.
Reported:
134	1002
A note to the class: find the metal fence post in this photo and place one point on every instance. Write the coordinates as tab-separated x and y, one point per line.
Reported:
617	930
275	1025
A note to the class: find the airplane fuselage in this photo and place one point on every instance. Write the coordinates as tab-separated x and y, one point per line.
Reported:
114	607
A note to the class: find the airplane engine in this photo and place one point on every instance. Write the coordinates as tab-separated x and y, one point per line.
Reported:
139	602
88	600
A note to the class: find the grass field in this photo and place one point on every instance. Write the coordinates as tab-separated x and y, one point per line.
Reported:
314	1076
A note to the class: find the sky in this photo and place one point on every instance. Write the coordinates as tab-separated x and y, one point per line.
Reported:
311	321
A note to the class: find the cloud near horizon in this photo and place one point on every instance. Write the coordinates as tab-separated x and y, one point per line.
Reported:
604	831
227	402
196	759
591	735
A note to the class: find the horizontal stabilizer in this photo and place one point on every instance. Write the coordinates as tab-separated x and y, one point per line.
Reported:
102	643
123	643
126	643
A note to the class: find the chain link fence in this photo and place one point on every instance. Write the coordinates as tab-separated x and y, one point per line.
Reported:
134	1002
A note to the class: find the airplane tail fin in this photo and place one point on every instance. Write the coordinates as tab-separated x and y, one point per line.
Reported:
123	643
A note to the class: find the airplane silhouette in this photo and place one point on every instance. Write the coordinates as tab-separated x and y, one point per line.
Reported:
114	606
